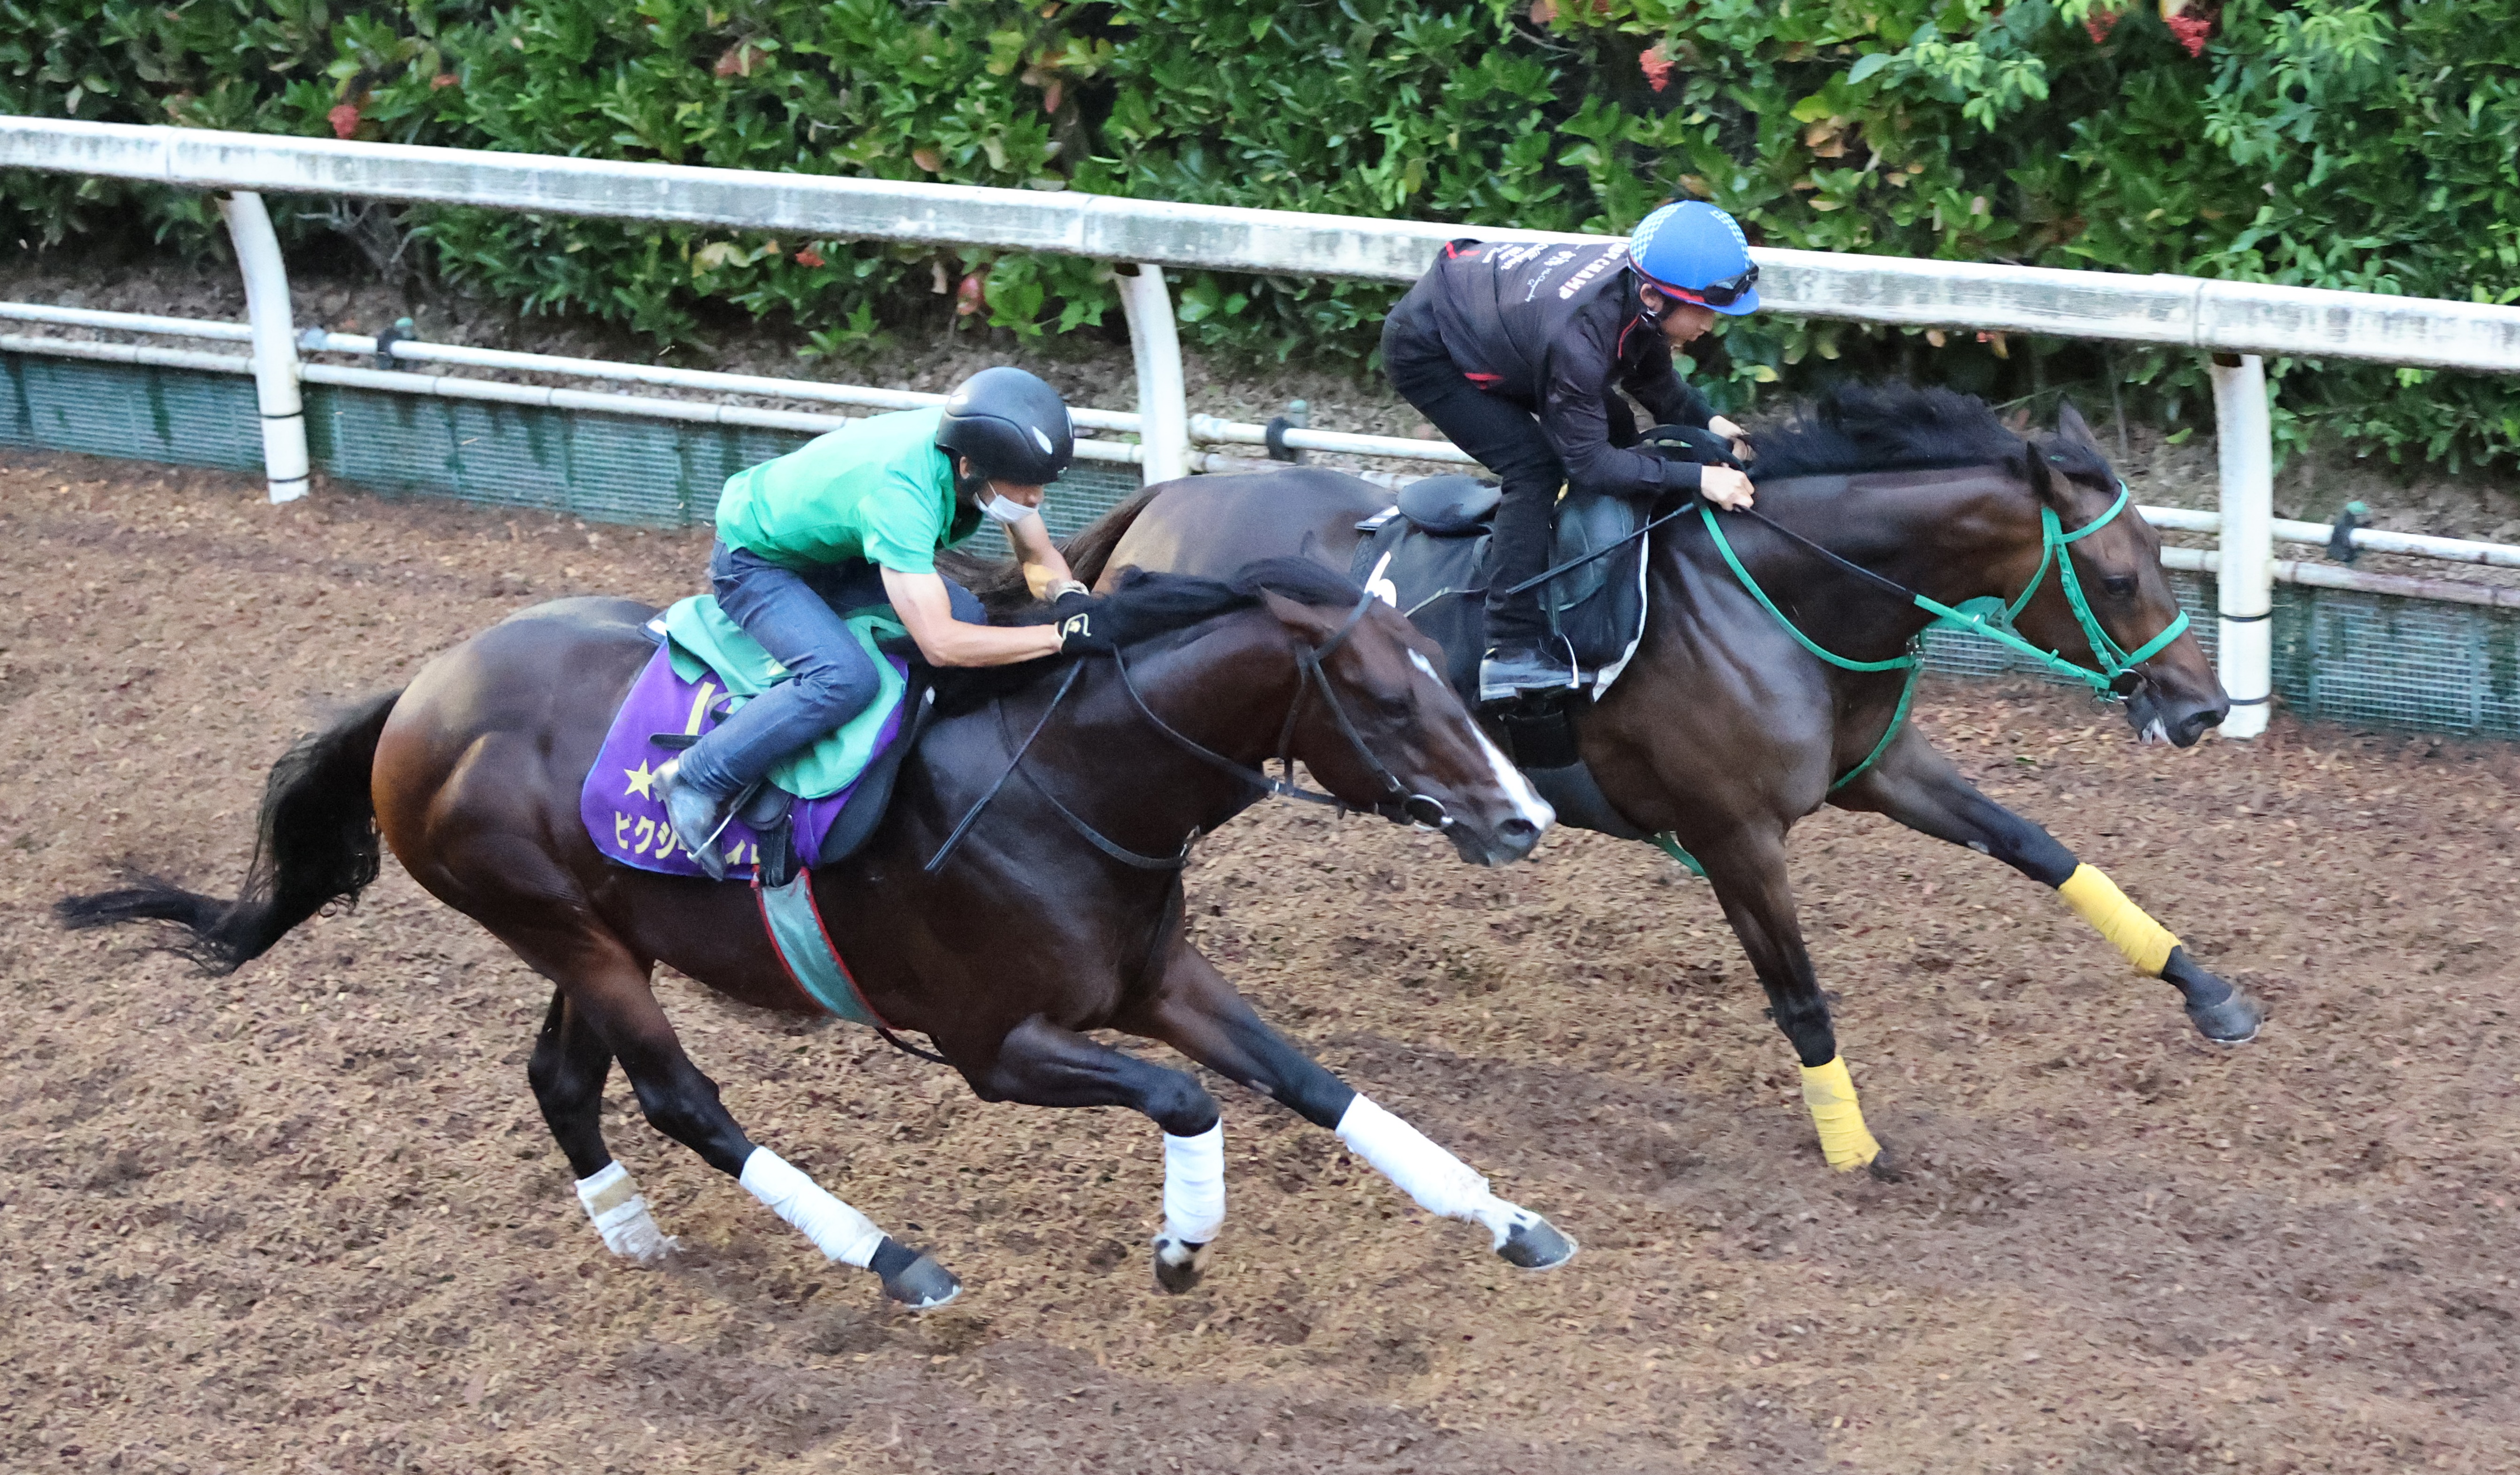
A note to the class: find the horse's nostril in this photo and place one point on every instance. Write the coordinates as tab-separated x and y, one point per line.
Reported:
1519	828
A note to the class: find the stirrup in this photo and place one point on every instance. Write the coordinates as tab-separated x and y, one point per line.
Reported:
703	849
1508	679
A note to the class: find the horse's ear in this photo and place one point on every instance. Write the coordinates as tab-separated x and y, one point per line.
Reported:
2071	424
2038	469
1297	616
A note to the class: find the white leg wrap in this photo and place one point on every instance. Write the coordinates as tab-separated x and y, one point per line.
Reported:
621	1217
1439	1182
839	1232
1194	1185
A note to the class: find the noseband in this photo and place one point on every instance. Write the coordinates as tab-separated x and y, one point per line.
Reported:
1399	803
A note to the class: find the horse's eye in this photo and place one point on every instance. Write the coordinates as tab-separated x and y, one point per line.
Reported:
2120	585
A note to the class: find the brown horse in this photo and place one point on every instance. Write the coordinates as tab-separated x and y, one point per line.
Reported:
1059	909
1726	729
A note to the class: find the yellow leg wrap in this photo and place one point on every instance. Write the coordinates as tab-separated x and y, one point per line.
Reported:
2146	943
1829	1093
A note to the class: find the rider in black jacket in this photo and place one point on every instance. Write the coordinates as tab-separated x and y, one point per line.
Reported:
1516	350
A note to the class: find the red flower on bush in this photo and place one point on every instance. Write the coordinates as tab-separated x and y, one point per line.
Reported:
344	120
2100	22
1656	67
2192	21
809	257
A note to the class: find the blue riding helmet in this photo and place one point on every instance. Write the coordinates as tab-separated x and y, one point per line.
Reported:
1695	253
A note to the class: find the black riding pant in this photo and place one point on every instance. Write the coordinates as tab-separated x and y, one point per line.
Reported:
1506	440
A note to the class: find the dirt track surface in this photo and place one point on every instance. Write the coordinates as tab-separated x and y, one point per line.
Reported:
307	1219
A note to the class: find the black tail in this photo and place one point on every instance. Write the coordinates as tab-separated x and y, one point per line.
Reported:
317	845
999	581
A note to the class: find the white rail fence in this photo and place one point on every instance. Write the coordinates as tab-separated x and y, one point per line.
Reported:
2238	323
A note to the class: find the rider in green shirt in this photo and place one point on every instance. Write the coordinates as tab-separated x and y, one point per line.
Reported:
854	520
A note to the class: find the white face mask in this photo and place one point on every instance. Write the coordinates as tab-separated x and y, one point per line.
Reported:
1001	508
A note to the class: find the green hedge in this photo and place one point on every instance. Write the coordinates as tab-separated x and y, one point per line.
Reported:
2323	142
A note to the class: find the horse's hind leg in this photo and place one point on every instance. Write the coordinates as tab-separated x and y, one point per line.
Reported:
1918	787
567	1069
606	994
1198	1013
1748	873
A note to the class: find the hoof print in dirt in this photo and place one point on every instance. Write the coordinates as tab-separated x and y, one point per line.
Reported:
1534	1244
1179	1264
923	1285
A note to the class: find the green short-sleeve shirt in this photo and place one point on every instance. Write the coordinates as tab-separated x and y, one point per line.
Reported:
878	490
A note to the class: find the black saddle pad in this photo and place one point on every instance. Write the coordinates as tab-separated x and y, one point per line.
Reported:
1597	610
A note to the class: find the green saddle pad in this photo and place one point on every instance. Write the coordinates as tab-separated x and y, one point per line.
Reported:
702	640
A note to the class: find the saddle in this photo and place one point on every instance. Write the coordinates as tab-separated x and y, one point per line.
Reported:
1428	556
817	805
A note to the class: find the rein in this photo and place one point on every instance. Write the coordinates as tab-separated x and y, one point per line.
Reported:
2117	662
1399	802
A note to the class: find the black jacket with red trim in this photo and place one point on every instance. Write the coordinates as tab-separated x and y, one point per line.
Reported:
1551	327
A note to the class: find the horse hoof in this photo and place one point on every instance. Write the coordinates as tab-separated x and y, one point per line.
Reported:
1885	1168
2234	1020
1534	1244
923	1285
1179	1264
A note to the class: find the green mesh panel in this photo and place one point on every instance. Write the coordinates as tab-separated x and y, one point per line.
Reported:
2378	660
186	417
2368	659
604	468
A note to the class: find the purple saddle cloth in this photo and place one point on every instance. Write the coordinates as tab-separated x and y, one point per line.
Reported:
625	813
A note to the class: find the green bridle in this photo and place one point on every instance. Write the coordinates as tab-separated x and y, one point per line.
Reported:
2116	662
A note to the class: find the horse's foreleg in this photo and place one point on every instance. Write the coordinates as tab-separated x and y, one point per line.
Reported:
567	1069
606	987
1748	875
1198	1013
1041	1064
1919	788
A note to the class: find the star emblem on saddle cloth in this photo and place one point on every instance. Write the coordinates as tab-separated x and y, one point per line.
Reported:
640	779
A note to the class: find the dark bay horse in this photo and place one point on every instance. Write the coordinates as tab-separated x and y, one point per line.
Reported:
1058	910
1725	729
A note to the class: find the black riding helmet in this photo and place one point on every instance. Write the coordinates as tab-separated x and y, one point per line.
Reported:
1012	426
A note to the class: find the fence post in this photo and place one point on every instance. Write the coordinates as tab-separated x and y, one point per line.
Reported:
1163	404
274	344
2245	579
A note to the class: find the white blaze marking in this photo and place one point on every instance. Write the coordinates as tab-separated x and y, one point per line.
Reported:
1526	800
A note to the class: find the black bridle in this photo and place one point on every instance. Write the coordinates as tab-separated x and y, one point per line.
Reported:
1399	803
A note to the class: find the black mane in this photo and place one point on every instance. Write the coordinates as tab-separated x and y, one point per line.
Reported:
1145	606
1891	427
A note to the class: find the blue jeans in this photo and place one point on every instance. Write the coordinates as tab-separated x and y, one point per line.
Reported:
796	616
